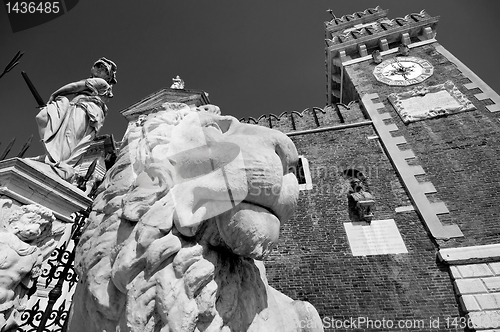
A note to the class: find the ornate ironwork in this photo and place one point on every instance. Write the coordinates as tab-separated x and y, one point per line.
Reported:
59	267
14	62
25	147
7	149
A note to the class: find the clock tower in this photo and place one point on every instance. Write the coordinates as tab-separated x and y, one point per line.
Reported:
438	124
371	36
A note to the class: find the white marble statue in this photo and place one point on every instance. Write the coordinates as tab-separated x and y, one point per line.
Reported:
27	236
73	116
177	83
178	232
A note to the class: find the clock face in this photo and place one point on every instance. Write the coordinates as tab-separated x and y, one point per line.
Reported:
403	71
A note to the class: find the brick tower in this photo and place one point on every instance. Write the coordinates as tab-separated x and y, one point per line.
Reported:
398	216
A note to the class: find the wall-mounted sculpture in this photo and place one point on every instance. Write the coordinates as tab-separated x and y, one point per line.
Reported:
67	127
361	202
28	234
181	224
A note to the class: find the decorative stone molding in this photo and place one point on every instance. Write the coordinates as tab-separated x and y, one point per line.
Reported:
153	102
29	182
372	27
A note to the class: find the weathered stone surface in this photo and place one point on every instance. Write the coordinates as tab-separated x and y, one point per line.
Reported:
380	237
489	301
430	102
493	284
485	319
183	219
27	236
474	270
472	254
469	303
469	286
495	267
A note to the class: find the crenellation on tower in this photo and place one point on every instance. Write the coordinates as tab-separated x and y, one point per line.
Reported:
311	118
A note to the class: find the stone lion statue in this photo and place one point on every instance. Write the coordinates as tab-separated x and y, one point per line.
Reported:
180	226
27	236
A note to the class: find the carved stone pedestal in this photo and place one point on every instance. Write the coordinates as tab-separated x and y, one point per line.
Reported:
27	182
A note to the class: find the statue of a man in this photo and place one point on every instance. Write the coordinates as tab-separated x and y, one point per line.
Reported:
68	127
23	237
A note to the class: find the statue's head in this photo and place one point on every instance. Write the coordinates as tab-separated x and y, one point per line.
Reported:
31	222
357	185
212	170
105	69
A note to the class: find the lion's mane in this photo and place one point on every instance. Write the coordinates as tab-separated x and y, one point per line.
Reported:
139	271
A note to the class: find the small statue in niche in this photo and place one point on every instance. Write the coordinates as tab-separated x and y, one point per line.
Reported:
68	127
361	202
27	236
177	83
403	49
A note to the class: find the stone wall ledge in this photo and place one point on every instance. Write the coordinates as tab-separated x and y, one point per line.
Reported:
470	255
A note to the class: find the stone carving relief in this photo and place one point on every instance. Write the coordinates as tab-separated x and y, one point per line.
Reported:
430	102
28	234
181	224
66	126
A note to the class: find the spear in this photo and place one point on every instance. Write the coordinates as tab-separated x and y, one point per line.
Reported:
25	147
14	62
7	149
35	93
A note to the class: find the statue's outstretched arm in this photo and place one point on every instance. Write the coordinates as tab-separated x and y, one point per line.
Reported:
69	89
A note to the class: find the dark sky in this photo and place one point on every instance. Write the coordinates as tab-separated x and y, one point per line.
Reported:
252	57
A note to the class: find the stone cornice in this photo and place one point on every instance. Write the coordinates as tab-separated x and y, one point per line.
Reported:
29	182
153	101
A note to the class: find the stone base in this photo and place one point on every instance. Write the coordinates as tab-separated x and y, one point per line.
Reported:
476	274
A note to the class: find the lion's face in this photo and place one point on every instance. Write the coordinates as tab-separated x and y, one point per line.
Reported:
239	175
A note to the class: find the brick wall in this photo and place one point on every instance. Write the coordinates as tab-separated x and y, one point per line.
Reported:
313	260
